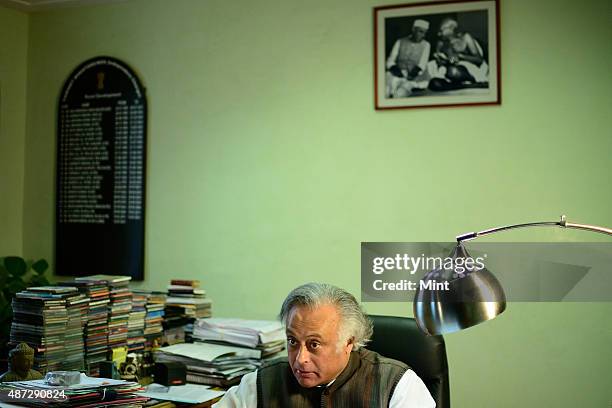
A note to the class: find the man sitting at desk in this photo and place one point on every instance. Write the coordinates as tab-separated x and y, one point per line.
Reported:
328	366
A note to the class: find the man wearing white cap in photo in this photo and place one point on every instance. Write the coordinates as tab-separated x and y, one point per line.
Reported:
407	62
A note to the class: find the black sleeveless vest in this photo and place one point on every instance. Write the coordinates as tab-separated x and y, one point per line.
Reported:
368	380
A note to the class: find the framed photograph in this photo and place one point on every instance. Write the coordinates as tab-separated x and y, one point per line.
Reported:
437	54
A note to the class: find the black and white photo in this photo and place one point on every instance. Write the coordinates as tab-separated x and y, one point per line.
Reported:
437	54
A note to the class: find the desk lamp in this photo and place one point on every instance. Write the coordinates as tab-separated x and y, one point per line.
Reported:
474	295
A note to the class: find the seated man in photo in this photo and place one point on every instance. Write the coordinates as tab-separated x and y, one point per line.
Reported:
407	62
328	364
458	59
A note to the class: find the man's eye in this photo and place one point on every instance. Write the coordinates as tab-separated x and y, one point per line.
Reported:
291	342
315	345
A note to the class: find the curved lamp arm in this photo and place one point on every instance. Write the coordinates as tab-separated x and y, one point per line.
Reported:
563	223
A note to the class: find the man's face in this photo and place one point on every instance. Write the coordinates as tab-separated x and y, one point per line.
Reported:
418	33
315	355
447	30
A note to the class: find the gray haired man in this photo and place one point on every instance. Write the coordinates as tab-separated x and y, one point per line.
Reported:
327	365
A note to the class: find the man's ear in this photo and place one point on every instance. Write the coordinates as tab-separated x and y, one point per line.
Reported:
350	343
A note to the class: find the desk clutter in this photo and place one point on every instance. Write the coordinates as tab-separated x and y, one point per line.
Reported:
212	364
110	332
226	349
88	392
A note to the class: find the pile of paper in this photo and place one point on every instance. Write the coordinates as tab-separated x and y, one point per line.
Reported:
186	394
266	335
90	392
212	364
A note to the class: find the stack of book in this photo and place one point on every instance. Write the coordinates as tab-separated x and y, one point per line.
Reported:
119	308
76	306
185	288
96	328
187	299
83	304
40	319
155	304
265	335
136	322
212	364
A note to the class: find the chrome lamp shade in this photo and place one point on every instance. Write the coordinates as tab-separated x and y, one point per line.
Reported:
470	297
474	295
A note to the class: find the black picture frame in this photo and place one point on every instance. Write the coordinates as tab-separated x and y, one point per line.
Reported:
437	54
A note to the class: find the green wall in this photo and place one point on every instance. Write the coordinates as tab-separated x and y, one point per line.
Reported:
268	164
13	69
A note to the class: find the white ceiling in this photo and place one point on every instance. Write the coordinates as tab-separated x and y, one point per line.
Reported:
39	5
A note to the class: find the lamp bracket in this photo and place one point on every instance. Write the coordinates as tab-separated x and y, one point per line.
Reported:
562	223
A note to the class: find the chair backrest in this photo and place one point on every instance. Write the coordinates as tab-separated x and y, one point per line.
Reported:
399	338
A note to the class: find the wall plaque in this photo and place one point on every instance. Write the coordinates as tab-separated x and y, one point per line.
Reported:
101	146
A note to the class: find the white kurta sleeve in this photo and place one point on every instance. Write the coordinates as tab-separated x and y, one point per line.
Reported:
394	53
243	395
411	392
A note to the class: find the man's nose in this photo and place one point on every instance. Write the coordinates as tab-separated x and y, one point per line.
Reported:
303	355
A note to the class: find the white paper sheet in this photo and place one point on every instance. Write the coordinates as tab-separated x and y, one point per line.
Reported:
188	393
86	382
209	352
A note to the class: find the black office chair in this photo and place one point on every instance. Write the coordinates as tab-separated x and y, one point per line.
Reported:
400	338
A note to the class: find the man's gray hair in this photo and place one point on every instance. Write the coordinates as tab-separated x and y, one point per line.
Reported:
354	323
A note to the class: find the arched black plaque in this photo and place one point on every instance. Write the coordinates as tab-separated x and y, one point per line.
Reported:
101	145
